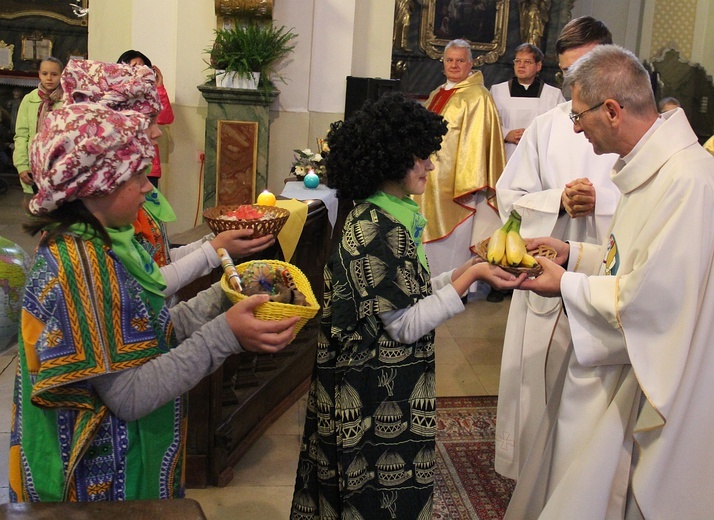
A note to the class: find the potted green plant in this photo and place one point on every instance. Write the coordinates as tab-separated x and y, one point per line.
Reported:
250	52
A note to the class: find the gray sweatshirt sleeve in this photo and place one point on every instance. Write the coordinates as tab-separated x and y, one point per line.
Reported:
206	341
176	253
186	267
410	324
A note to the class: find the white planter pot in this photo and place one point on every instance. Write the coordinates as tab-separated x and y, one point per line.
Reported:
226	79
222	79
250	82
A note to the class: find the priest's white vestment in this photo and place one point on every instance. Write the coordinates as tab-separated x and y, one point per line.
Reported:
549	155
631	433
519	112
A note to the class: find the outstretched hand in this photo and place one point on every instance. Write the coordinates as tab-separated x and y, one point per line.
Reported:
256	335
562	249
238	242
548	283
500	279
476	269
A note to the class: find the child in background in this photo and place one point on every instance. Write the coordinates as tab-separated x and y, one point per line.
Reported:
33	109
166	116
368	449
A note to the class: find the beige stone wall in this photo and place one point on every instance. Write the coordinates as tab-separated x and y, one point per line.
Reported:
673	26
337	38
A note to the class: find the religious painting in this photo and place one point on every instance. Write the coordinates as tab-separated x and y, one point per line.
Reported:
236	162
483	23
71	12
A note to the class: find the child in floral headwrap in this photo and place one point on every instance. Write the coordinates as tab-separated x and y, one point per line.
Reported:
99	406
33	109
126	87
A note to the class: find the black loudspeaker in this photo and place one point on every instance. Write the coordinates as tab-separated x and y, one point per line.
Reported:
360	90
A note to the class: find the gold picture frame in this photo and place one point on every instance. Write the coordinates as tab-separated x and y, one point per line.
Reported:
35	47
484	23
6	56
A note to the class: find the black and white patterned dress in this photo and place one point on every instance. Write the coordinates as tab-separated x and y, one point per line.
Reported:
368	444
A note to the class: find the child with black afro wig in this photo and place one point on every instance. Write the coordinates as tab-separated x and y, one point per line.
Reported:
369	438
380	143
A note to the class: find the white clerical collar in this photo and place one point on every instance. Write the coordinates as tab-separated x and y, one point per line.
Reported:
524	85
450	84
622	161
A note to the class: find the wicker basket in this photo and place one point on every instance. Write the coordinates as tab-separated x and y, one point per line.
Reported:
542	250
275	310
273	221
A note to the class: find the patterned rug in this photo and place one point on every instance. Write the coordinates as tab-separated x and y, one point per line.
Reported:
467	486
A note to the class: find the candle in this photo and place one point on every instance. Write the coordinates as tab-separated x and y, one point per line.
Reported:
229	269
266	199
311	180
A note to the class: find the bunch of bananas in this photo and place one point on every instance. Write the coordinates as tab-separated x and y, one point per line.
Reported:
506	247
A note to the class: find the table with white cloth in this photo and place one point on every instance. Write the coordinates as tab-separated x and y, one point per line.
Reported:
297	190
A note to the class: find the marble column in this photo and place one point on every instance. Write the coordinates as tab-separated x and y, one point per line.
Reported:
227	104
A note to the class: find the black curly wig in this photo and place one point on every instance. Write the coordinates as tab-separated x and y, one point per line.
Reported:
379	143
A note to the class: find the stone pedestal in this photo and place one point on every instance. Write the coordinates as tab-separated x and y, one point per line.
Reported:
246	162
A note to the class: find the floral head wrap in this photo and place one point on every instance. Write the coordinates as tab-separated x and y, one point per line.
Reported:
115	85
86	150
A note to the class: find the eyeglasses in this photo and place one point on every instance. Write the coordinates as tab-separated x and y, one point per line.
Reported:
518	61
575	118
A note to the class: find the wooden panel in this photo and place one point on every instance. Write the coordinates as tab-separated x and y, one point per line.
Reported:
237	155
176	509
228	411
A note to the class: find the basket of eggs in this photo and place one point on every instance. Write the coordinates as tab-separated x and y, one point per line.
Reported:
288	287
263	220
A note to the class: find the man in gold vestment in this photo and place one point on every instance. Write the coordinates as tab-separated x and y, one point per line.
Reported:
459	201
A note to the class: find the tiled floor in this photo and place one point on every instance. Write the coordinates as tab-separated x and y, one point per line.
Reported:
468	355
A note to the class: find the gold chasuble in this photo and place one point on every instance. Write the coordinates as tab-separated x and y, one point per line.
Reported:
471	158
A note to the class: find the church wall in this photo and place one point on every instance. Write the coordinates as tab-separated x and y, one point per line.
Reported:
173	33
337	38
622	17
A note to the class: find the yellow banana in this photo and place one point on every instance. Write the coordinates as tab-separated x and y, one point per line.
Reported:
496	246
528	261
515	248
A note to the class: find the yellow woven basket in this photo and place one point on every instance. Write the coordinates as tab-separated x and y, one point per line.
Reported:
274	218
276	310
